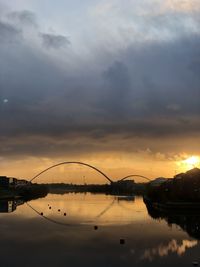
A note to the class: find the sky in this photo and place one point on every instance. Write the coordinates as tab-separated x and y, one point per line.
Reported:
111	83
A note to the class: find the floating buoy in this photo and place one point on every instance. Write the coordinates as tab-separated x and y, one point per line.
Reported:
95	227
50	208
41	213
65	214
58	210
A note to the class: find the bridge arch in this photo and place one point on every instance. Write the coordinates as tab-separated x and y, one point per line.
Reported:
134	175
72	162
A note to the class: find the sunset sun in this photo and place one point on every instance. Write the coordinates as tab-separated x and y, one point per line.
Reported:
191	162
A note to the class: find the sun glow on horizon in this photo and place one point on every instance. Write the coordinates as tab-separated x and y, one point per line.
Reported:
191	162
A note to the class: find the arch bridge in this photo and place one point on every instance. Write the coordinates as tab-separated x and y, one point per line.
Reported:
134	175
72	162
91	167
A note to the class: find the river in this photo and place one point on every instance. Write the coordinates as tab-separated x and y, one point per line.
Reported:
94	230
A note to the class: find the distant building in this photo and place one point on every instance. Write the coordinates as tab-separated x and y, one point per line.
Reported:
158	181
7	182
195	172
123	187
179	176
7	206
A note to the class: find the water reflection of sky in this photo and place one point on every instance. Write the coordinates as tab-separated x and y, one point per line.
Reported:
88	208
29	240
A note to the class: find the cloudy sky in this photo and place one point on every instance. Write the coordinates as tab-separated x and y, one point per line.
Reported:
112	83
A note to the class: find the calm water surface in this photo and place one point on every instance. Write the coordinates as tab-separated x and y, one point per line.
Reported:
58	230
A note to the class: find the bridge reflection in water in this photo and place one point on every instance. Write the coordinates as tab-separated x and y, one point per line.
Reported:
7	206
188	222
72	209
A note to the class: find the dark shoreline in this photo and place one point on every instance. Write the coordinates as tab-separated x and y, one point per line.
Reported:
172	206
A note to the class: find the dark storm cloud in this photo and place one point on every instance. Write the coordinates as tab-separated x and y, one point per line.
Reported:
8	32
164	77
149	90
118	90
54	41
25	17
